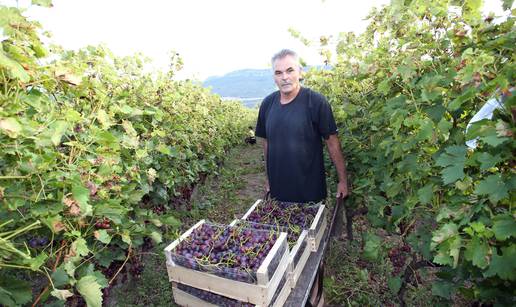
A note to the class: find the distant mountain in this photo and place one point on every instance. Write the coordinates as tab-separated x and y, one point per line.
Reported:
248	85
244	83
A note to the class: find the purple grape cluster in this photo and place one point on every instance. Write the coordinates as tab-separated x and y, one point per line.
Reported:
38	242
213	298
231	252
290	216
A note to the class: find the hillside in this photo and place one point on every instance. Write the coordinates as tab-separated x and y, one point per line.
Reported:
244	83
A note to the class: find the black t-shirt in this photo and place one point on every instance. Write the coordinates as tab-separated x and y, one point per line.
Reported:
294	132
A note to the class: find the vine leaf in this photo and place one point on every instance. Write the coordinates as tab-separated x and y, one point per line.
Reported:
14	68
477	252
10	126
442	289
61	294
82	196
89	288
493	186
372	246
14	292
487	160
503	266
394	284
453	159
504	227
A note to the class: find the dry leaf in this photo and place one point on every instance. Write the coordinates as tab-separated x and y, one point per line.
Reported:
58	226
67	77
73	206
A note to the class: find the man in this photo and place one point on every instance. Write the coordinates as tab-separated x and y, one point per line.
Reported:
293	122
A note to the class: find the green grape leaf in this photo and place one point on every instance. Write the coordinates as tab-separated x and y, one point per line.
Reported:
425	194
477	252
384	87
452	173
14	68
453	155
80	247
372	246
466	96
10	126
494	187
487	160
445	232
504	227
72	116
156	237
58	130
89	288
504	265
60	278
82	196
394	284
36	262
14	292
102	235
101	279
171	221
443	289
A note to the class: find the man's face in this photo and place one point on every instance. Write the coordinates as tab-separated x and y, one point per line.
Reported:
286	74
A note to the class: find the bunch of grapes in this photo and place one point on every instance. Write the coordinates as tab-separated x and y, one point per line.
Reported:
102	224
231	252
398	258
290	216
38	242
213	298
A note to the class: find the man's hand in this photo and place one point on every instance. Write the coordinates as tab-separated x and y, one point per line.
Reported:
342	190
338	160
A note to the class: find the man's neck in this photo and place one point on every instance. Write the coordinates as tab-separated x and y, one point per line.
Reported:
287	98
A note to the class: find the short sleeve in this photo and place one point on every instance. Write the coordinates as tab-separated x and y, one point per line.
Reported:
260	130
323	117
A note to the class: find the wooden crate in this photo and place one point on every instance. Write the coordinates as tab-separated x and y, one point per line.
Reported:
186	299
298	255
307	242
316	231
268	275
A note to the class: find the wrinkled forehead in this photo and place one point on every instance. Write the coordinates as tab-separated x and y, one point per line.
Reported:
286	62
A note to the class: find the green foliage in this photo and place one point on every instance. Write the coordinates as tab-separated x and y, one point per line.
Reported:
90	138
403	94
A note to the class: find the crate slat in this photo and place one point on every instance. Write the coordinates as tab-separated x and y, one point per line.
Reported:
301	251
258	294
186	234
186	299
317	228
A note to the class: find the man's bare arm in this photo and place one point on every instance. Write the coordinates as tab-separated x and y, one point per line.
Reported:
336	156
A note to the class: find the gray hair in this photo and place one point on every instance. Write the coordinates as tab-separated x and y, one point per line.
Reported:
284	53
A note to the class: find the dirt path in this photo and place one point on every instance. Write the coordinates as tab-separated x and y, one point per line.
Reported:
238	185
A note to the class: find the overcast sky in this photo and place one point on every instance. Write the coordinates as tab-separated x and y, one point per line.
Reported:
212	36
